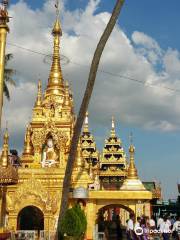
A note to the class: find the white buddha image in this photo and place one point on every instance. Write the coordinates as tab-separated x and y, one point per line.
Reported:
50	156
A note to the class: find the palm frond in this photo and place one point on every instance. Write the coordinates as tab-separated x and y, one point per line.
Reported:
10	81
8	57
6	91
9	71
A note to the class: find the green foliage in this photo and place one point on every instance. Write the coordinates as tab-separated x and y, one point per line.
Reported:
74	222
70	224
81	215
8	75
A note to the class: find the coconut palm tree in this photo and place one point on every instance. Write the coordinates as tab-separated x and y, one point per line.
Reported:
84	106
8	75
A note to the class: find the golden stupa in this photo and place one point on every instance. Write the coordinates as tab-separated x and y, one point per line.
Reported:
105	178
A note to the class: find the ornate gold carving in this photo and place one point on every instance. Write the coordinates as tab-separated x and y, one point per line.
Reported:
37	139
32	191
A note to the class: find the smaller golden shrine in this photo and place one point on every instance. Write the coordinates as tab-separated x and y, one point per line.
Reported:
113	162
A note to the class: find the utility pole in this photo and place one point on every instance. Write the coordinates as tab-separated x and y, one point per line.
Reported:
4	29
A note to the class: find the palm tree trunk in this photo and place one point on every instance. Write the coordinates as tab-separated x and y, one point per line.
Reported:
84	106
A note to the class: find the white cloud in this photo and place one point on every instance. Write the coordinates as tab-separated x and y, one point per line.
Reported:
132	103
172	63
162	125
147	47
143	39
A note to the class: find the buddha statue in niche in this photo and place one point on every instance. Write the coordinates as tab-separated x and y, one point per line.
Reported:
50	154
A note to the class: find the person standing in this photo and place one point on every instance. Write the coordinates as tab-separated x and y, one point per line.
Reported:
145	227
136	228
152	223
118	228
130	227
160	221
165	229
176	229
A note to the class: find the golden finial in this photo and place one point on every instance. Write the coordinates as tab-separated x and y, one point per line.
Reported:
80	161
27	142
55	82
132	171
5	150
39	95
86	123
113	133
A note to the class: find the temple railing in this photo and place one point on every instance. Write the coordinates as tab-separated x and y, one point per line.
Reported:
33	235
24	235
47	235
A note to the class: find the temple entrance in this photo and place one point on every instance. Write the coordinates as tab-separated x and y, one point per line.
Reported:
30	218
112	221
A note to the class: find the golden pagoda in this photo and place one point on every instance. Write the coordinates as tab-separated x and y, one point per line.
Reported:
45	153
46	148
113	163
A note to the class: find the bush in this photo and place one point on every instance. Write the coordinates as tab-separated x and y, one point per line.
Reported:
80	213
71	224
74	222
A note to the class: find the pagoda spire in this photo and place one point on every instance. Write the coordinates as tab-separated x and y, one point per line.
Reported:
113	133
5	150
80	160
27	142
132	171
132	182
39	95
86	123
55	81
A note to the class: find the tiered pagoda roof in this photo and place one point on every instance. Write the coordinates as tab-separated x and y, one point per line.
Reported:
89	150
113	160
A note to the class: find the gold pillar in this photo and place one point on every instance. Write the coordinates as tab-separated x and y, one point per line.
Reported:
91	218
147	209
3	34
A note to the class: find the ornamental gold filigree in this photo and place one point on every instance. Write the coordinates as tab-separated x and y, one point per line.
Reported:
37	139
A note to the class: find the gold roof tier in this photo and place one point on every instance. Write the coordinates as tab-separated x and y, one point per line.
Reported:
112	161
132	182
111	173
8	174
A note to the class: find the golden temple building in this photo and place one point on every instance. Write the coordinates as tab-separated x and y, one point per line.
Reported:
109	178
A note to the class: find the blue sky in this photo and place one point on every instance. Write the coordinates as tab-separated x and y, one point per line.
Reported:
157	152
158	19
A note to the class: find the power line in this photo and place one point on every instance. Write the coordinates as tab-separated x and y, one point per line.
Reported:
103	71
130	78
27	49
